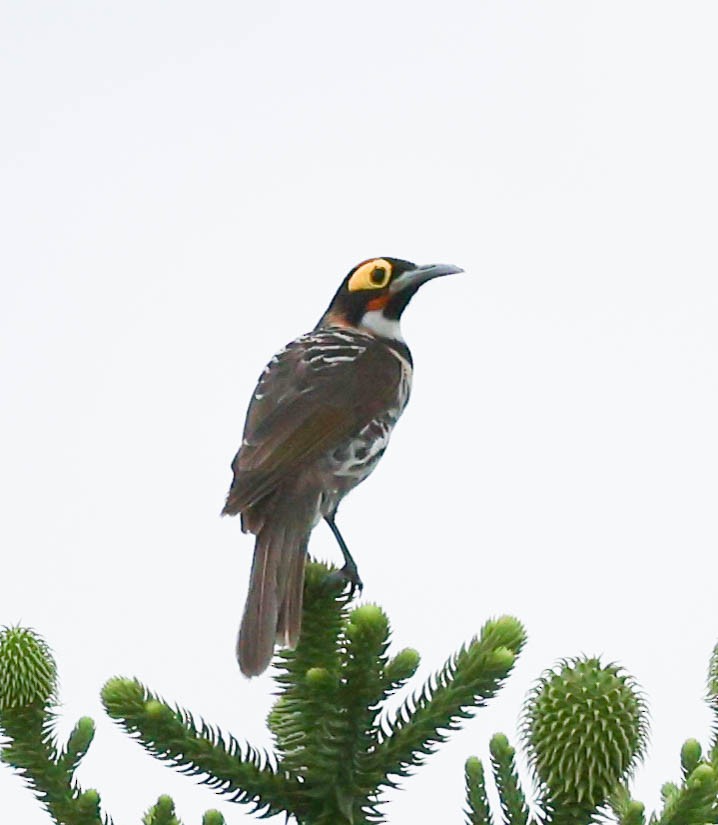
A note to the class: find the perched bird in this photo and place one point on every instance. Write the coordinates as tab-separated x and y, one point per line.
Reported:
317	425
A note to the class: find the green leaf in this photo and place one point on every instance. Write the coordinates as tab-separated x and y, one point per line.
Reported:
401	668
628	811
467	681
161	813
634	814
691	754
28	684
478	811
503	761
171	734
78	744
695	803
307	710
212	817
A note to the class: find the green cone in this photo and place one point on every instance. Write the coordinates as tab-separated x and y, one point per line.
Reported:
28	674
584	726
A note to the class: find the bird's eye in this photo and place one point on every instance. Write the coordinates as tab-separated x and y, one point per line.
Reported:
372	274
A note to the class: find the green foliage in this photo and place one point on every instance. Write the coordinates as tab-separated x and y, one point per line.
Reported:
78	744
695	803
695	800
513	801
634	814
465	682
478	810
691	753
584	728
212	817
171	734
161	813
336	748
626	810
713	703
28	678
28	684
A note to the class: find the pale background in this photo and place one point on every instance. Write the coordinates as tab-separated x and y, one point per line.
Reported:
183	186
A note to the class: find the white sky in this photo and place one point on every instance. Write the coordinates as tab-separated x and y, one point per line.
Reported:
183	186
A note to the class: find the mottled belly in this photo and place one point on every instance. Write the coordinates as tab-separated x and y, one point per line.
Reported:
351	462
356	458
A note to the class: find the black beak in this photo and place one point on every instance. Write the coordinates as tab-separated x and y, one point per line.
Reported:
422	274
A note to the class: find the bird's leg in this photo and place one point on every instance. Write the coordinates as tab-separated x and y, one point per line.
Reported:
349	572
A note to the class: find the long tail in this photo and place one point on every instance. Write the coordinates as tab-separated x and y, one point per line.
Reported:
273	611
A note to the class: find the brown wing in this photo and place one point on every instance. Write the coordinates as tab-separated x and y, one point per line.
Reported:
319	391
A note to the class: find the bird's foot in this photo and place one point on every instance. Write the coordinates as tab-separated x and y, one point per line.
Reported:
346	575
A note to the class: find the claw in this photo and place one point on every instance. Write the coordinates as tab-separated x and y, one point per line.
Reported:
349	572
346	575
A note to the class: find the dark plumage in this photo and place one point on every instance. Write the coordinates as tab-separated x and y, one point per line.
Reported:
318	423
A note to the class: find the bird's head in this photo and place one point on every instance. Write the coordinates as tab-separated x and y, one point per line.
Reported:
376	292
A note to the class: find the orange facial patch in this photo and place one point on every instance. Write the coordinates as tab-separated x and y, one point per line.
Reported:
378	303
373	274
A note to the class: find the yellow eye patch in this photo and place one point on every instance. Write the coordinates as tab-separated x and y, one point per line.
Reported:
373	274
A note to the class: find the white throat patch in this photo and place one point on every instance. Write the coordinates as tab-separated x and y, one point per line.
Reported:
378	324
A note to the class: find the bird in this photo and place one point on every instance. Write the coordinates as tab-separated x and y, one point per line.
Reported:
317	425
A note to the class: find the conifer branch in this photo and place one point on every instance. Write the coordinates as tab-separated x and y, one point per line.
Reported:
634	814
310	722
28	697
162	813
478	810
696	803
467	681
691	754
307	712
513	801
362	690
171	734
626	810
584	728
